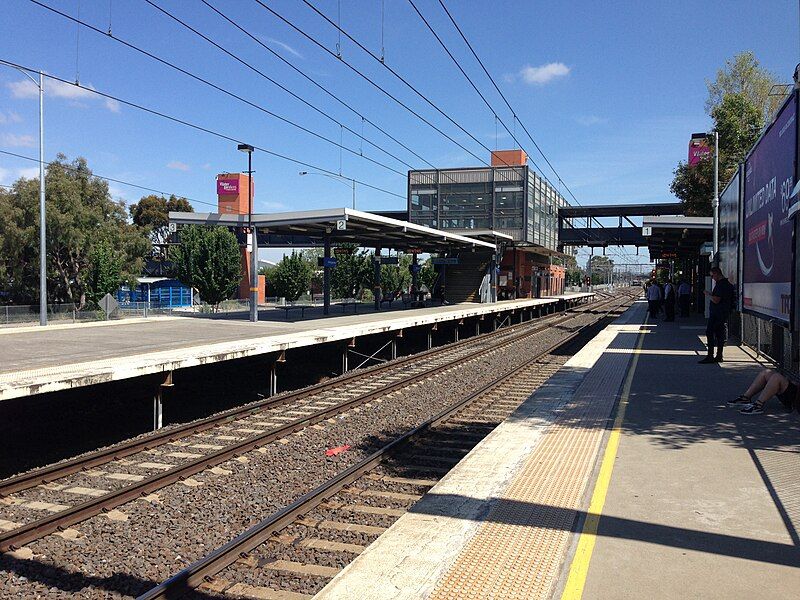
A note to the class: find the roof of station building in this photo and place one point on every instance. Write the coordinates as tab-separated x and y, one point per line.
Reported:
343	225
681	236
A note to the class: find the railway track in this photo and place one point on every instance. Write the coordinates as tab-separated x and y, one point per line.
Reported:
297	550
142	466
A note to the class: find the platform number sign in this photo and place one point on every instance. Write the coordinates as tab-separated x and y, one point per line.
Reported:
647	231
173	227
341	224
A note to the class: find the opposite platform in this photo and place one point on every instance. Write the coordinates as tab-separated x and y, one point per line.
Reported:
702	502
48	360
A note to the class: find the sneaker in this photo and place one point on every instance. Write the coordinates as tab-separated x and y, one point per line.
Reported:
752	409
707	360
740	400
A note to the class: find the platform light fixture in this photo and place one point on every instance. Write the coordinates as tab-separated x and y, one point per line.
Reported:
248	149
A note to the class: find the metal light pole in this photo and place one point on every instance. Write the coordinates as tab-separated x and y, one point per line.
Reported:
715	201
247	148
338	178
42	211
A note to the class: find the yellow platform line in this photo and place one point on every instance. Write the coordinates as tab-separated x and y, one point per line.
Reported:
579	569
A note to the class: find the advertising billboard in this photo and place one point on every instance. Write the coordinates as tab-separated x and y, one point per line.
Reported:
698	148
729	231
768	182
228	187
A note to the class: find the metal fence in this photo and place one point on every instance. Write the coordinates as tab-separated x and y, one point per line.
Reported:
28	314
769	339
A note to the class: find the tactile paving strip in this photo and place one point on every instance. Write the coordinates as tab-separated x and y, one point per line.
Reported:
518	551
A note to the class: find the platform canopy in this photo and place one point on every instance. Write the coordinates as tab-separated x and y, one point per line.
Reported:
343	225
677	237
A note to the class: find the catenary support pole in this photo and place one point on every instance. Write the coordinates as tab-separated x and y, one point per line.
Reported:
326	277
42	213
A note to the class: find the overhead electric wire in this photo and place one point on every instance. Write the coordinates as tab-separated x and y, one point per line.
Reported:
276	83
406	83
310	79
202	128
475	87
214	86
513	112
370	81
111	179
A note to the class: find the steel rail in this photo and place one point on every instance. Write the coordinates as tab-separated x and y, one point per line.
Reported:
195	574
50	473
34	530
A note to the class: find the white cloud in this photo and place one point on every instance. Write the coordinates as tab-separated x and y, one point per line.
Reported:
9	117
28	172
178	165
273	205
544	73
589	120
285	46
18	141
5	176
26	88
206	166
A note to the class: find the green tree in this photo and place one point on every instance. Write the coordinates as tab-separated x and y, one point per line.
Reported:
353	273
744	75
152	213
598	267
208	259
105	272
427	275
80	214
397	277
738	123
291	276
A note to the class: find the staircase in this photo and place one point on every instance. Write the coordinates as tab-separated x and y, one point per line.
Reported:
464	279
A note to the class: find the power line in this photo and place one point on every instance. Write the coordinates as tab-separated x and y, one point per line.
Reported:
214	86
496	87
310	79
405	82
200	128
111	179
369	80
275	83
474	87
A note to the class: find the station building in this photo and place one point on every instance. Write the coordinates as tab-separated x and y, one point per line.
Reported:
508	197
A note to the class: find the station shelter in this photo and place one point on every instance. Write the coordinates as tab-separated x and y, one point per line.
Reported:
329	227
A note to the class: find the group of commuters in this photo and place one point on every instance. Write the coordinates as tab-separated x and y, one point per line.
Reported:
664	298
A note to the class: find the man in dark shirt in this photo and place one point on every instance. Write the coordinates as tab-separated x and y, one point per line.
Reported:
718	311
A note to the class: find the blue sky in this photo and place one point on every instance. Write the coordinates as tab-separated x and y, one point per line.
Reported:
611	91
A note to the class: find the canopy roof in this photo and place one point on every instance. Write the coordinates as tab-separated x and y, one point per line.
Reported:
342	225
677	236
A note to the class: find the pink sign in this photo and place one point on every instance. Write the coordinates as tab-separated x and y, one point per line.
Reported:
227	187
698	150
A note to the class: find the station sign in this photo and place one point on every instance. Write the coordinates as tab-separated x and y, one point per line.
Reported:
413	250
414	268
389	260
344	251
453	260
327	261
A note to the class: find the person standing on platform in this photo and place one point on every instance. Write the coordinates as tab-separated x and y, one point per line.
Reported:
653	299
684	297
718	312
669	301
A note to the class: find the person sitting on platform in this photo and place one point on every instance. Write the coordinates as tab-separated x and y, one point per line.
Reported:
768	383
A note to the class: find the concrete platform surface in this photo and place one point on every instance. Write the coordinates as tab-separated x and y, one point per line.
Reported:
696	501
45	360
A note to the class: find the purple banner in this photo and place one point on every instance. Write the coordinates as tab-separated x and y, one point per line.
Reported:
729	230
767	240
227	187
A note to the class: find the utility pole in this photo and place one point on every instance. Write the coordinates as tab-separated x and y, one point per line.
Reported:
715	201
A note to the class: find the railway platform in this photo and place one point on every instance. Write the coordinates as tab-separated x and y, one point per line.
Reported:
624	476
40	360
